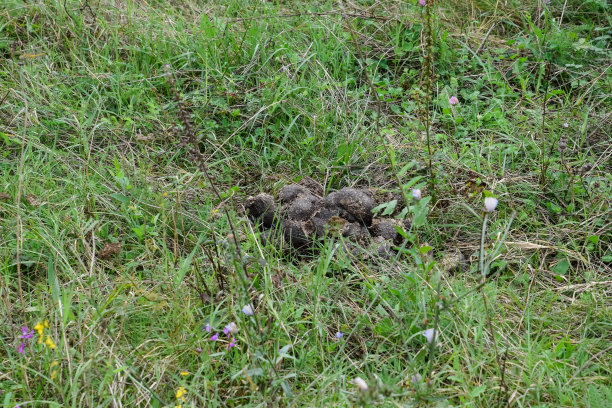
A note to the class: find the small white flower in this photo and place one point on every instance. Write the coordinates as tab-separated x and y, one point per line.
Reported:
430	335
247	310
490	204
416	194
361	384
566	125
232	328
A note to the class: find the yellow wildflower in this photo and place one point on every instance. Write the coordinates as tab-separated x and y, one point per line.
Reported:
180	393
39	328
184	373
53	364
50	343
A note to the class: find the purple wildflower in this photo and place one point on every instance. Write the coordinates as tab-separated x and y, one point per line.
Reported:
339	335
215	337
232	344
422	2
230	329
207	328
199	350
25	334
21	348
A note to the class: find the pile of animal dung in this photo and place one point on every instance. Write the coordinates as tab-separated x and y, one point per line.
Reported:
299	218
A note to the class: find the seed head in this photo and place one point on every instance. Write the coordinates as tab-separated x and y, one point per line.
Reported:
490	204
361	384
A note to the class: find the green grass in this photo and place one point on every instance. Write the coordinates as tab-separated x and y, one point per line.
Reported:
277	92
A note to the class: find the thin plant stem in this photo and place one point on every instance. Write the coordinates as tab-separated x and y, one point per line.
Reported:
19	234
482	240
544	156
432	344
427	80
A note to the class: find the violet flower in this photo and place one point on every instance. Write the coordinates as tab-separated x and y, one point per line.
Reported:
25	334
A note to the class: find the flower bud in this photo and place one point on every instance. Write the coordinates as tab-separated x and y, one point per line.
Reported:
416	194
247	310
431	335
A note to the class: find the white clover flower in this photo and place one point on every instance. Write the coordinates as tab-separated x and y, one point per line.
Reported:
247	310
416	194
361	384
490	204
431	335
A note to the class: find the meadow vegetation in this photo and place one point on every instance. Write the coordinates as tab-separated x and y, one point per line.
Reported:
132	133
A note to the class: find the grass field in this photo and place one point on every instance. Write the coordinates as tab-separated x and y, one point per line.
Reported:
120	281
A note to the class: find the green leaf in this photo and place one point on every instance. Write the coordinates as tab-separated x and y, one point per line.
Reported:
390	207
478	390
404	169
120	197
561	267
425	249
412	182
402	214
